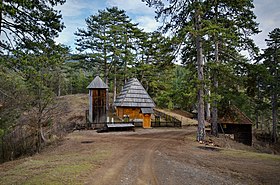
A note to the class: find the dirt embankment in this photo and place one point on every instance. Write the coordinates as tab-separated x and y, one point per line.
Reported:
58	119
183	116
72	109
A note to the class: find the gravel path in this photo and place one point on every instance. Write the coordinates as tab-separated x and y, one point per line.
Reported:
170	157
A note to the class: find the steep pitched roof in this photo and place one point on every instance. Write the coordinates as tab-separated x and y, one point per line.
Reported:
133	94
97	83
233	115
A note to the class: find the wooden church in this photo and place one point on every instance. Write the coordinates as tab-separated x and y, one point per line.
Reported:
97	101
135	102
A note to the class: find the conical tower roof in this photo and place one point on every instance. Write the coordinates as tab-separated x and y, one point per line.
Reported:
133	94
97	83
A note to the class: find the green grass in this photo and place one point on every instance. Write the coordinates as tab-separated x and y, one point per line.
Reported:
55	169
62	174
248	154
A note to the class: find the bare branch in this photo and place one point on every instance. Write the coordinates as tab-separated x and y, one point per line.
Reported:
2	91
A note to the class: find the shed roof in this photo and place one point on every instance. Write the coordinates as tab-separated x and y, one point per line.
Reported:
147	110
97	83
233	115
133	94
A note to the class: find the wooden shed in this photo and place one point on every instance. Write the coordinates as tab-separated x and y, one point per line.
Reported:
135	102
234	122
97	100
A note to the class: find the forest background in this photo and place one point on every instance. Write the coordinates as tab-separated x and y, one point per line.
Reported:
206	36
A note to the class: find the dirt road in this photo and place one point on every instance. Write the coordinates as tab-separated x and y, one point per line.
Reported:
170	156
135	158
163	156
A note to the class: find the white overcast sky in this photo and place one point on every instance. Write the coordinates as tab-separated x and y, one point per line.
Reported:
75	12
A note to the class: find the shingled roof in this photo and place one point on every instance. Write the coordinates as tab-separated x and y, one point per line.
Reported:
97	83
233	115
133	94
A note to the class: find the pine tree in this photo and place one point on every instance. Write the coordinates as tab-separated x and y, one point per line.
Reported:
271	58
106	39
220	28
120	50
184	18
25	22
28	51
227	33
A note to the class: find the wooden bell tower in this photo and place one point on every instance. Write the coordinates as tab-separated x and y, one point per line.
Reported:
97	100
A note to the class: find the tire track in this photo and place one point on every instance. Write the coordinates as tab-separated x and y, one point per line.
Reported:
133	159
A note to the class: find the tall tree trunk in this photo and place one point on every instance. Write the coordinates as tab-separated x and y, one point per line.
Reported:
208	105
125	58
208	94
257	118
125	71
274	116
115	58
214	122
115	83
262	121
106	73
274	98
201	124
257	108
